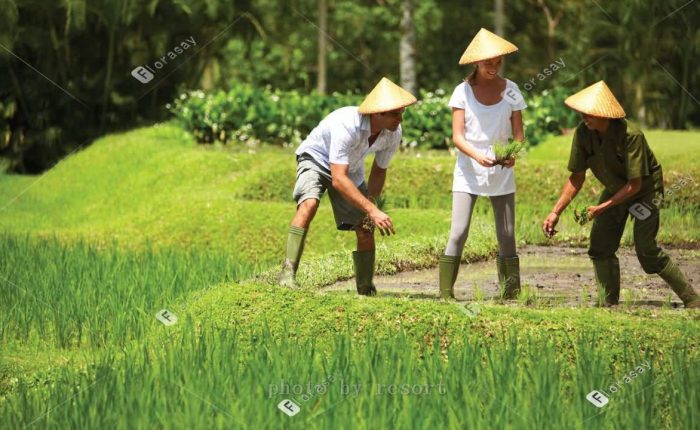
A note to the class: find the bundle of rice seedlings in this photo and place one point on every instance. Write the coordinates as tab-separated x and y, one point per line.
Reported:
505	151
581	215
367	223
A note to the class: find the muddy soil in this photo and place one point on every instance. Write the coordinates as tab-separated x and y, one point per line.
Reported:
555	276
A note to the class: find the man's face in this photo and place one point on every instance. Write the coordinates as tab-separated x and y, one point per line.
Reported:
594	122
391	120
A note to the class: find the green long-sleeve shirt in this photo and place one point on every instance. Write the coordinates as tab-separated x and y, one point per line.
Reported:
621	155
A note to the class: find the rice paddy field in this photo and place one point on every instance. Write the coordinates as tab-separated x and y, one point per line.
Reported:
137	292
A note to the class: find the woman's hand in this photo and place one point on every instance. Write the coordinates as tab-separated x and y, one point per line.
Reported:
509	162
484	160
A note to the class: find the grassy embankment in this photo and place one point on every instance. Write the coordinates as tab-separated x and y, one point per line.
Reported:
147	220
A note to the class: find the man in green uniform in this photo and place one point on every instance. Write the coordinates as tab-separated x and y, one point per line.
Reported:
621	159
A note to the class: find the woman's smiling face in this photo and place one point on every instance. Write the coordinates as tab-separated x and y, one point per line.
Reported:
488	69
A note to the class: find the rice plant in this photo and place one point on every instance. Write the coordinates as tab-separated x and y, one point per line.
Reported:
581	215
512	150
78	295
255	379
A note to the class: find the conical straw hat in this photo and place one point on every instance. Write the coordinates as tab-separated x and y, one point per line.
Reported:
596	100
486	45
386	96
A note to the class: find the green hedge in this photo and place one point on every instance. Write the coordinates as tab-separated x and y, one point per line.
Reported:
249	115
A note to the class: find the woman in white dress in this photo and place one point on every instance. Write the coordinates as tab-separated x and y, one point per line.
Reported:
486	111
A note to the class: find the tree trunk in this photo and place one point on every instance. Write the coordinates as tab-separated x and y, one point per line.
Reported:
108	78
551	39
682	118
322	47
499	23
407	48
499	17
552	23
639	101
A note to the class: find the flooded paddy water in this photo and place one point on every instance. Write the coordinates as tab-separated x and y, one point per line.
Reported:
555	276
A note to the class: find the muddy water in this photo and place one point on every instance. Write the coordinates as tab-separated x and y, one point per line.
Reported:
554	276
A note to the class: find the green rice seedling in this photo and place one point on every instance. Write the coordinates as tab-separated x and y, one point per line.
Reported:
479	294
243	378
76	295
528	296
513	149
581	215
583	296
628	297
367	223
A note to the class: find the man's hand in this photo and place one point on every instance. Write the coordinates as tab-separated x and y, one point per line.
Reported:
594	211
549	223
382	221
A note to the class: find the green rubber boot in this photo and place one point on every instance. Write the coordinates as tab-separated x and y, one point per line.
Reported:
607	275
502	275
296	238
679	284
449	267
364	272
509	276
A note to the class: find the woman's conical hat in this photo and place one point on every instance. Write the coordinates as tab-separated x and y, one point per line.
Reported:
386	96
596	100
486	45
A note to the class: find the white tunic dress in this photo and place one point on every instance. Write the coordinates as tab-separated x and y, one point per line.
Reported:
484	127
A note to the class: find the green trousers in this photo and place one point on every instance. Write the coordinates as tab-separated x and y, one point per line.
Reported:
606	234
608	228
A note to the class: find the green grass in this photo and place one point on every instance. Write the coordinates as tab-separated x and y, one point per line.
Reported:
147	220
154	185
79	296
235	379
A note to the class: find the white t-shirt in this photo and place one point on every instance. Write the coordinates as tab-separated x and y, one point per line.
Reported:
485	126
341	138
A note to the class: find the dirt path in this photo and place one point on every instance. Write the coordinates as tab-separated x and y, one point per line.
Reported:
555	276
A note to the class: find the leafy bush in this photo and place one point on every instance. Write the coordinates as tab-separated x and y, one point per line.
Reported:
250	115
428	123
547	115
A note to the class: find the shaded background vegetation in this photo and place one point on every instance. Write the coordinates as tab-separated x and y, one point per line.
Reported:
65	67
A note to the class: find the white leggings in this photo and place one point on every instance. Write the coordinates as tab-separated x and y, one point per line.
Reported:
504	213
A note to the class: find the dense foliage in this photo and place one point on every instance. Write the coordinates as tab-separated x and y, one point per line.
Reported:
66	66
249	115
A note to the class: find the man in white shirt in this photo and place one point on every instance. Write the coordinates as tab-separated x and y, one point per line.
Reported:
332	158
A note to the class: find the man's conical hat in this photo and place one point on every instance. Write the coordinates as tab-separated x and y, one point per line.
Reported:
596	100
486	45
386	96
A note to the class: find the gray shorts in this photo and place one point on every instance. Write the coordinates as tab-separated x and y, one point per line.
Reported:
313	180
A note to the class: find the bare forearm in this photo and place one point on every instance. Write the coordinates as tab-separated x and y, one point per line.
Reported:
464	146
568	193
623	194
376	182
352	194
516	122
